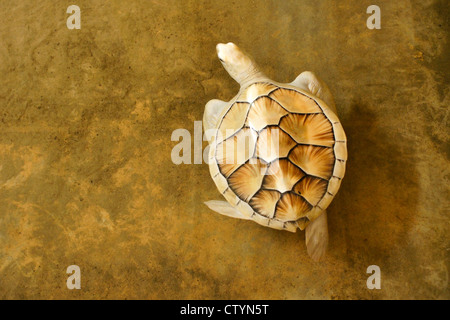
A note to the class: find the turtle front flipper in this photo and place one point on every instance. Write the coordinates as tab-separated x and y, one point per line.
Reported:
213	109
309	82
317	237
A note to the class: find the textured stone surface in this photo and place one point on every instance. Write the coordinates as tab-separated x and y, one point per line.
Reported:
85	140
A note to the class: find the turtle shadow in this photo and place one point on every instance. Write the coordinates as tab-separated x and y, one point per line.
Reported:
375	207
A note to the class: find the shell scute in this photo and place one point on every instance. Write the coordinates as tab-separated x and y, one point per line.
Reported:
311	189
314	129
273	143
263	112
282	175
292	207
264	202
294	101
247	180
257	90
233	121
235	151
314	161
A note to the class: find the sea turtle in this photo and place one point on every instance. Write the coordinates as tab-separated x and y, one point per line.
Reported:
277	151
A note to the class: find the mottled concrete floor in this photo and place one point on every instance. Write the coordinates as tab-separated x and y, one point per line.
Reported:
86	176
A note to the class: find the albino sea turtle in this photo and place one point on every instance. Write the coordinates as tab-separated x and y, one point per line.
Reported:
277	151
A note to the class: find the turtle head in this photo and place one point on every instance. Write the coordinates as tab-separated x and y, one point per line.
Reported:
238	64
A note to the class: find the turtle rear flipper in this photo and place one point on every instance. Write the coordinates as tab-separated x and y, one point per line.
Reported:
225	208
316	234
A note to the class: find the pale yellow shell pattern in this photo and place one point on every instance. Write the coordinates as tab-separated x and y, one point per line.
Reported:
278	155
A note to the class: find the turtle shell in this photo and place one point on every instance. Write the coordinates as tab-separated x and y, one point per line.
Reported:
278	155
